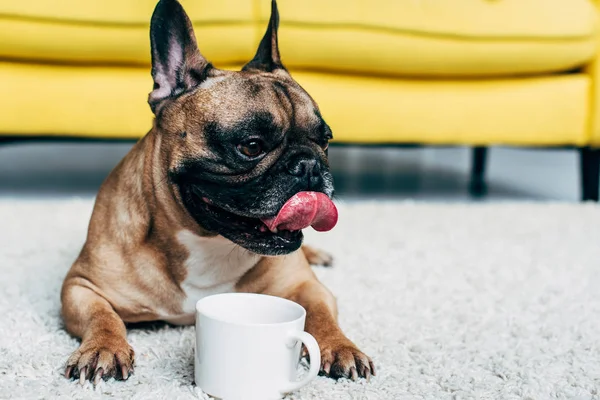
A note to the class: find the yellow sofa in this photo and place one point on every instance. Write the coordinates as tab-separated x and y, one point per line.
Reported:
431	72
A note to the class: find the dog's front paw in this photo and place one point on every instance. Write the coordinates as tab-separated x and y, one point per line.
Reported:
341	359
101	359
317	256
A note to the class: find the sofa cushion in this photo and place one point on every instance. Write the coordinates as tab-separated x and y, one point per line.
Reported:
438	37
117	31
398	37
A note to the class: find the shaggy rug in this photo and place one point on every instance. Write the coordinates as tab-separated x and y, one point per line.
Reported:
463	301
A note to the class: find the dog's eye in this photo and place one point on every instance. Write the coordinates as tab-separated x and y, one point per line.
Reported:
252	148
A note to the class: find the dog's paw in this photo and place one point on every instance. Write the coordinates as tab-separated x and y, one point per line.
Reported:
96	360
341	359
317	256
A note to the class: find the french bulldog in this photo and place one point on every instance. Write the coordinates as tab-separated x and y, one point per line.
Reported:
213	199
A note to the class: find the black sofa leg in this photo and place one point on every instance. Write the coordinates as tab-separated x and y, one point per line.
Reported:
478	187
590	173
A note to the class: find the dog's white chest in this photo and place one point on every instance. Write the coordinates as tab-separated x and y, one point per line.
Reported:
214	265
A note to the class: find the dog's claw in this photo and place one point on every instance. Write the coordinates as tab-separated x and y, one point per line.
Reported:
82	375
372	366
353	374
367	373
98	376
124	372
68	371
326	368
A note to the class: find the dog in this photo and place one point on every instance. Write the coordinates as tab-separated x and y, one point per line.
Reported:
195	208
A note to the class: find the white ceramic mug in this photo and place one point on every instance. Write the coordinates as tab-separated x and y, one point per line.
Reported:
248	346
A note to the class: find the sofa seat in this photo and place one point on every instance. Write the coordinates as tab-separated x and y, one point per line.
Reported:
458	38
537	111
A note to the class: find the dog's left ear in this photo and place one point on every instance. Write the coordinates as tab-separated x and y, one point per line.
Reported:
177	65
267	56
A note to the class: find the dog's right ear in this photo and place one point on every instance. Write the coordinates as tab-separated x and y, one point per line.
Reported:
177	65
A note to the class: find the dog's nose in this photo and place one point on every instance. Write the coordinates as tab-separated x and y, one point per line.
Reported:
309	169
304	167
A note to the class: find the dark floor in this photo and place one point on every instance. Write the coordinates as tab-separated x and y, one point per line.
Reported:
77	169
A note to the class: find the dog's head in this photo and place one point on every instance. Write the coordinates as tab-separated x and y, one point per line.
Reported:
240	144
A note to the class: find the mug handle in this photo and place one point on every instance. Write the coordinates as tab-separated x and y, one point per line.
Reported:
315	359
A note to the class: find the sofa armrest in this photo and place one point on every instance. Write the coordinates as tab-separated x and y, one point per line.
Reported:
593	69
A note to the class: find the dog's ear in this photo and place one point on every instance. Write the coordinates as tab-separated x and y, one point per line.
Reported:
177	65
267	56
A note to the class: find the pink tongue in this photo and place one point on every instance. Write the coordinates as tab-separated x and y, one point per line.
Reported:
305	209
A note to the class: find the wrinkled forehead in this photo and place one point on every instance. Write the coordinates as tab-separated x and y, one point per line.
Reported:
234	99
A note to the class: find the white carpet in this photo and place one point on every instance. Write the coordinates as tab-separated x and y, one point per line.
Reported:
491	301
